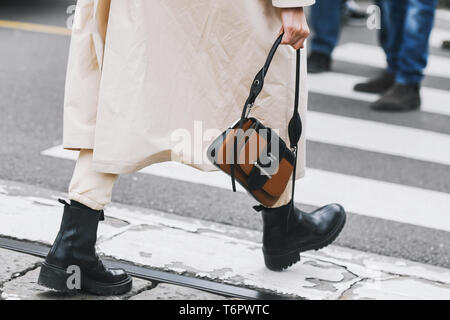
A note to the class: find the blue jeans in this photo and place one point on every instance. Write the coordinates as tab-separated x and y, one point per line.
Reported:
325	20
405	30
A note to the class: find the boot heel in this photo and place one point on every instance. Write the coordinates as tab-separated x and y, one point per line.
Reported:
54	278
281	262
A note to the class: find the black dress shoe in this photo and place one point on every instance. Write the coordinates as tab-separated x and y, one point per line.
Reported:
378	84
288	232
399	98
75	247
446	44
319	62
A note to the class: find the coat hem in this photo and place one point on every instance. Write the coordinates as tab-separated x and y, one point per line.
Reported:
83	141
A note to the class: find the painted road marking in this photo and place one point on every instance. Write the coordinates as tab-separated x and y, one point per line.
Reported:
341	85
359	195
34	27
374	56
379	137
443	14
438	36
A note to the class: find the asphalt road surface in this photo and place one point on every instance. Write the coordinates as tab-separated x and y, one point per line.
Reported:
32	74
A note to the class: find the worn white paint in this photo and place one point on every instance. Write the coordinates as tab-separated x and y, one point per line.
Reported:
35	218
398	289
362	196
341	85
225	253
370	55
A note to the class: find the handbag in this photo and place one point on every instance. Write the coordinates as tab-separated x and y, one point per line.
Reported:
255	155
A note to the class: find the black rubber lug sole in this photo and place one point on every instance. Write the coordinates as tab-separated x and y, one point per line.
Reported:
279	262
56	278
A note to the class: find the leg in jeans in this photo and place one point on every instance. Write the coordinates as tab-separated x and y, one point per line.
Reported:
325	22
91	188
413	55
393	16
389	37
405	40
383	34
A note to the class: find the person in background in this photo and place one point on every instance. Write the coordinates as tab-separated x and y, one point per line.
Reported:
405	30
326	18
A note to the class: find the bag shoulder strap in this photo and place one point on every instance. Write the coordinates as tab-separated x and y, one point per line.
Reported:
295	124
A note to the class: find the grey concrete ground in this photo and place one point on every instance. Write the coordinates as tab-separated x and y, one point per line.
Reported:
19	272
196	248
32	71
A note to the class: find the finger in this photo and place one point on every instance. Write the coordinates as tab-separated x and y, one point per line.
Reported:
294	34
299	44
287	38
290	38
303	34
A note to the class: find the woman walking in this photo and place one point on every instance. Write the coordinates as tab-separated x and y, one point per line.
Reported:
140	71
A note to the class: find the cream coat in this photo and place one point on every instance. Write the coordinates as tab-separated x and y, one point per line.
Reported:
146	75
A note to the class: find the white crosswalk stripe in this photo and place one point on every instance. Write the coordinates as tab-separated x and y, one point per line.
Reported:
379	137
438	36
374	56
442	14
341	85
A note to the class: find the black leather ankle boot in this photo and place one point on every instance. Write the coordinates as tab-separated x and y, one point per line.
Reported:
75	247
288	232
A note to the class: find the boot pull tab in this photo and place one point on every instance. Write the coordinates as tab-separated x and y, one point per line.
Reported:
291	208
64	202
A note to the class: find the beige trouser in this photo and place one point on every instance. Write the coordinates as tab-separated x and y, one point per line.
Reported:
94	189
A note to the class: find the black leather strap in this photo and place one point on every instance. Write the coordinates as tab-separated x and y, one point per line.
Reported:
295	132
295	124
258	82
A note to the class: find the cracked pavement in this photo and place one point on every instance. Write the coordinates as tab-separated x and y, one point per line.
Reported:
208	250
20	271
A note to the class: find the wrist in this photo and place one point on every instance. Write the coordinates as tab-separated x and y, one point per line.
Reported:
293	8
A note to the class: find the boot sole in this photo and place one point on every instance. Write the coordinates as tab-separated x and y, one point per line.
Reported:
395	108
55	278
280	262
